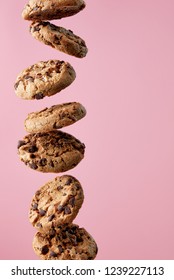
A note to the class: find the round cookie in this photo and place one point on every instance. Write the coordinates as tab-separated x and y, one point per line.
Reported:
55	117
54	151
56	203
51	9
67	243
44	78
59	38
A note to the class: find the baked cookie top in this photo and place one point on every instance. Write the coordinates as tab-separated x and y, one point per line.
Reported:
44	78
67	243
59	38
55	117
56	203
54	151
51	9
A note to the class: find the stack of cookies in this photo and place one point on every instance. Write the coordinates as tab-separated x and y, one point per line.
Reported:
47	149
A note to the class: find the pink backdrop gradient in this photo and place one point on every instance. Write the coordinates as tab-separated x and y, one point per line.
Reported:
126	83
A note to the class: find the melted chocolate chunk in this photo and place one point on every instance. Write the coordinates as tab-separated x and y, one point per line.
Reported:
32	156
60	248
59	188
33	165
43	162
60	208
35	205
67	210
51	163
44	250
33	149
39	225
53	254
39	96
20	143
36	28
42	212
51	217
52	233
68	182
72	201
16	85
29	78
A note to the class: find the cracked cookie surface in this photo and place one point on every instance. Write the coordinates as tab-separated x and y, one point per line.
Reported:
59	38
51	9
44	78
54	151
56	203
67	243
55	117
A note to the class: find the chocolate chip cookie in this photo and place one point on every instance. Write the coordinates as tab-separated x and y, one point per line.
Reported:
56	203
55	117
54	151
67	243
44	78
59	38
51	9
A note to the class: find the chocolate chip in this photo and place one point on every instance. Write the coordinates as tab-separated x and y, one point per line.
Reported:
72	238
67	210
56	125
35	205
60	248
43	162
32	156
33	165
44	250
42	212
79	239
60	208
77	186
53	254
52	233
39	225
72	201
39	96
58	68
45	23
68	182
39	75
32	149
37	193
51	217
36	28
29	78
16	85
51	163
20	143
59	188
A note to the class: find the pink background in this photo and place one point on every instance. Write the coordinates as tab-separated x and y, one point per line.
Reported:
126	83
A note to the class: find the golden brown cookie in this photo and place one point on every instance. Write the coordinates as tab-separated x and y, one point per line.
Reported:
51	9
44	78
59	38
55	117
66	243
56	203
54	151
